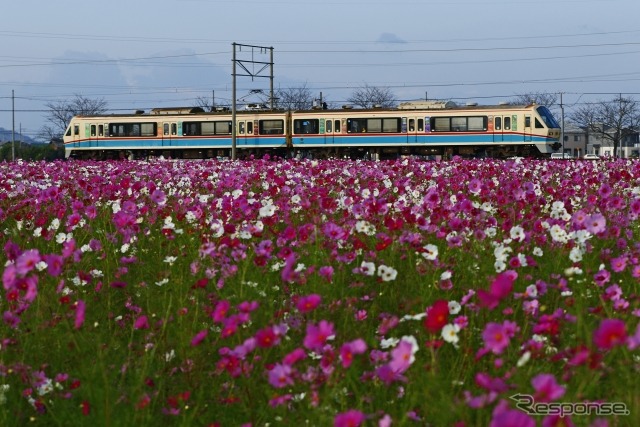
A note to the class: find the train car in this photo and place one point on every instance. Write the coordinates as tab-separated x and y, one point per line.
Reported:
429	129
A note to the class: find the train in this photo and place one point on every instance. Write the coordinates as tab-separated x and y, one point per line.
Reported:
427	129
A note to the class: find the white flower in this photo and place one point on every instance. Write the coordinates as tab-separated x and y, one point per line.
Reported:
430	252
170	260
450	333
523	359
124	248
531	291
454	307
387	273
389	342
517	233
267	210
368	268
446	275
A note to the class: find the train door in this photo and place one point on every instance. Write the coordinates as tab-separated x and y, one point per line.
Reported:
501	128
527	128
169	132
415	127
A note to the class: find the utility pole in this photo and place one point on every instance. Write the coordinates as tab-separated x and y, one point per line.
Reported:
252	74
562	126
13	125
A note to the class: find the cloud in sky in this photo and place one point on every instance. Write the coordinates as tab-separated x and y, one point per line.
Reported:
389	38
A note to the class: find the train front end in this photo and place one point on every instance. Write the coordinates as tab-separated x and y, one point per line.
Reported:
547	131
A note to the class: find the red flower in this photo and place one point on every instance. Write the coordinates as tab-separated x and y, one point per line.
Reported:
610	333
437	316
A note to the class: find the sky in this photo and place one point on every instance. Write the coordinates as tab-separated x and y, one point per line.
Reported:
143	54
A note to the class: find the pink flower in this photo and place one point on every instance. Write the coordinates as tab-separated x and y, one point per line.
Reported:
295	356
547	389
220	311
80	311
54	264
308	303
596	223
351	418
610	333
499	289
200	336
347	351
141	323
266	337
496	337
280	375
402	356
159	197
27	261
512	418
318	335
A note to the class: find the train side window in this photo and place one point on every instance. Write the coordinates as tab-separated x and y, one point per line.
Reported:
250	128
527	121
241	128
538	124
420	125
93	130
498	123
337	126
76	130
271	127
165	129
507	123
412	125
459	124
174	129
441	124
100	130
327	128
306	126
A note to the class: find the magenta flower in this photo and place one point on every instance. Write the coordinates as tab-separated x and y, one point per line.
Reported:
27	261
351	418
200	336
54	264
546	387
308	303
159	197
496	337
500	288
295	356
280	375
80	312
402	356
610	333
595	223
512	418
141	323
318	335
220	311
348	350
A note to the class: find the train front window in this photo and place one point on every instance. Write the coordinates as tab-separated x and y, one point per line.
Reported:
547	117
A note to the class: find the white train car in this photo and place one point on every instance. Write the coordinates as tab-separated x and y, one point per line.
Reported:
418	128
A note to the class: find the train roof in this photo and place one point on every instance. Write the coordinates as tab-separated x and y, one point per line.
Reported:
412	105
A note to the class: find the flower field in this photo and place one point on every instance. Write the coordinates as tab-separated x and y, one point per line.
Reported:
320	293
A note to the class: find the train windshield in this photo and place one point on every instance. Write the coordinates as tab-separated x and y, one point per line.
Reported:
547	117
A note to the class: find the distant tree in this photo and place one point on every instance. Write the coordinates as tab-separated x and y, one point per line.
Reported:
612	120
294	98
371	96
61	112
541	98
204	102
